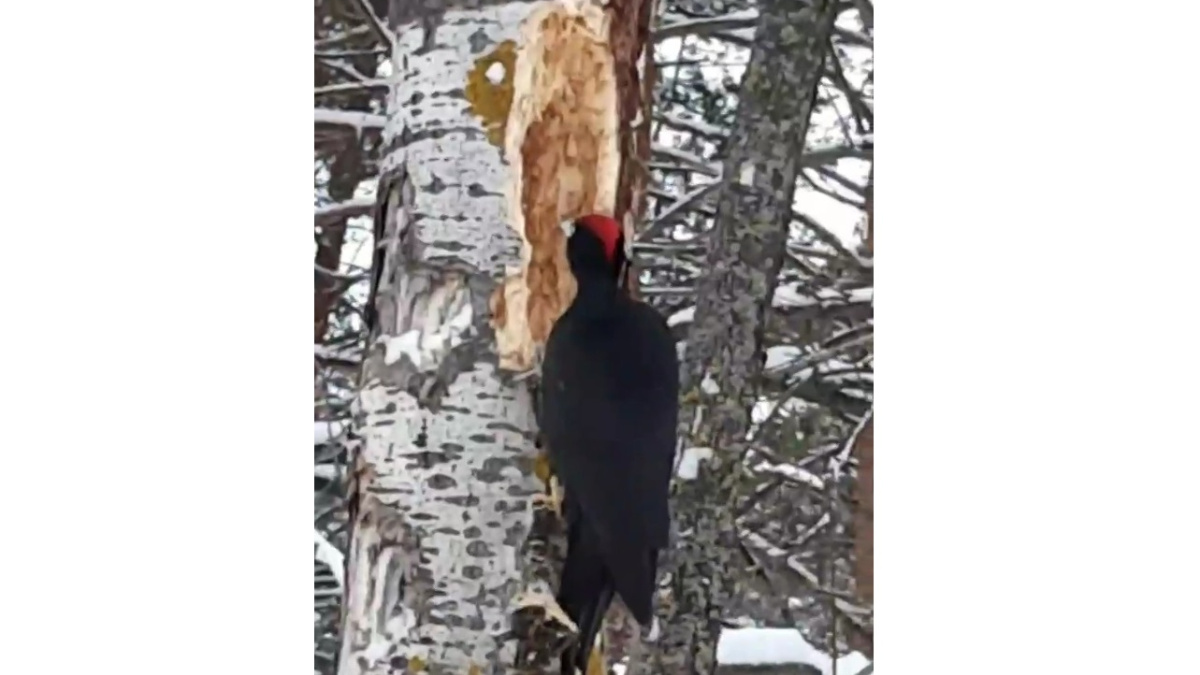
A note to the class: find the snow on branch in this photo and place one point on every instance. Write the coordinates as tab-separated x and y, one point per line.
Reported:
349	118
325	431
328	554
688	464
843	456
684	204
791	296
351	208
791	473
699	127
343	87
685	315
689	160
815	158
338	38
791	361
675	25
737	26
330	353
377	26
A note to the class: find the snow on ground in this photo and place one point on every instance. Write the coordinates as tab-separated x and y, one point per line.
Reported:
775	646
762	646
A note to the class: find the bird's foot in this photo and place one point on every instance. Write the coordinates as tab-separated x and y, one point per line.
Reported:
553	498
596	663
542	629
541	466
535	369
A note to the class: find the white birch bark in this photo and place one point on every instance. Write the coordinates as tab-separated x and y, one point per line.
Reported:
444	491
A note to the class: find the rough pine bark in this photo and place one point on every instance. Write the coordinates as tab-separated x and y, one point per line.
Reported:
504	118
864	491
725	345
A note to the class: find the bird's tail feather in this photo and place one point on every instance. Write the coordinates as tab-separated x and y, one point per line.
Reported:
585	592
591	621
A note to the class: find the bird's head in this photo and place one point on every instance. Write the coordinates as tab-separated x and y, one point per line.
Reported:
595	246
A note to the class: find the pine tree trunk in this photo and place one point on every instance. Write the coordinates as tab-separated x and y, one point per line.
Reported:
864	492
725	346
504	119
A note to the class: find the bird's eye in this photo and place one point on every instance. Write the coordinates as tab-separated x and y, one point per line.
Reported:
568	227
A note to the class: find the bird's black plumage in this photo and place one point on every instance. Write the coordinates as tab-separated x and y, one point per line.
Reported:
609	408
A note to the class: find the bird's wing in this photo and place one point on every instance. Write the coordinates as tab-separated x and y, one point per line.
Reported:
609	411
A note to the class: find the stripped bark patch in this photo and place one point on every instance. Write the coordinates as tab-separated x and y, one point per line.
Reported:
562	146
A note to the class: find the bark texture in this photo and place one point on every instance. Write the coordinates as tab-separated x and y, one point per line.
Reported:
864	510
864	527
503	120
724	352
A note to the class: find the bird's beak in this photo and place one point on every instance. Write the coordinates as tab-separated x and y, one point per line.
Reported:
567	227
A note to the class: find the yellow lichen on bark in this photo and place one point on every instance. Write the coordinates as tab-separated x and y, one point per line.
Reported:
489	90
541	467
561	144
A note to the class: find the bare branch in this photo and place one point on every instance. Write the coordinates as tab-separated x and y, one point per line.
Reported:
344	87
377	26
358	120
328	554
863	115
686	202
352	208
698	127
691	161
674	25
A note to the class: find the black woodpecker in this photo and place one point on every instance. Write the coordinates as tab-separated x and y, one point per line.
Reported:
609	409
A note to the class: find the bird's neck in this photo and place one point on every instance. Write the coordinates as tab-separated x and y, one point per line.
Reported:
596	293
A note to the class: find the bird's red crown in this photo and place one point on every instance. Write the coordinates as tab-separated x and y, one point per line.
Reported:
606	230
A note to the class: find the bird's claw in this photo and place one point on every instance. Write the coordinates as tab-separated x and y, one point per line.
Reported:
538	621
553	498
536	371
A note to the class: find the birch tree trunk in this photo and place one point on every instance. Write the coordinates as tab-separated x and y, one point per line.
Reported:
504	118
724	349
